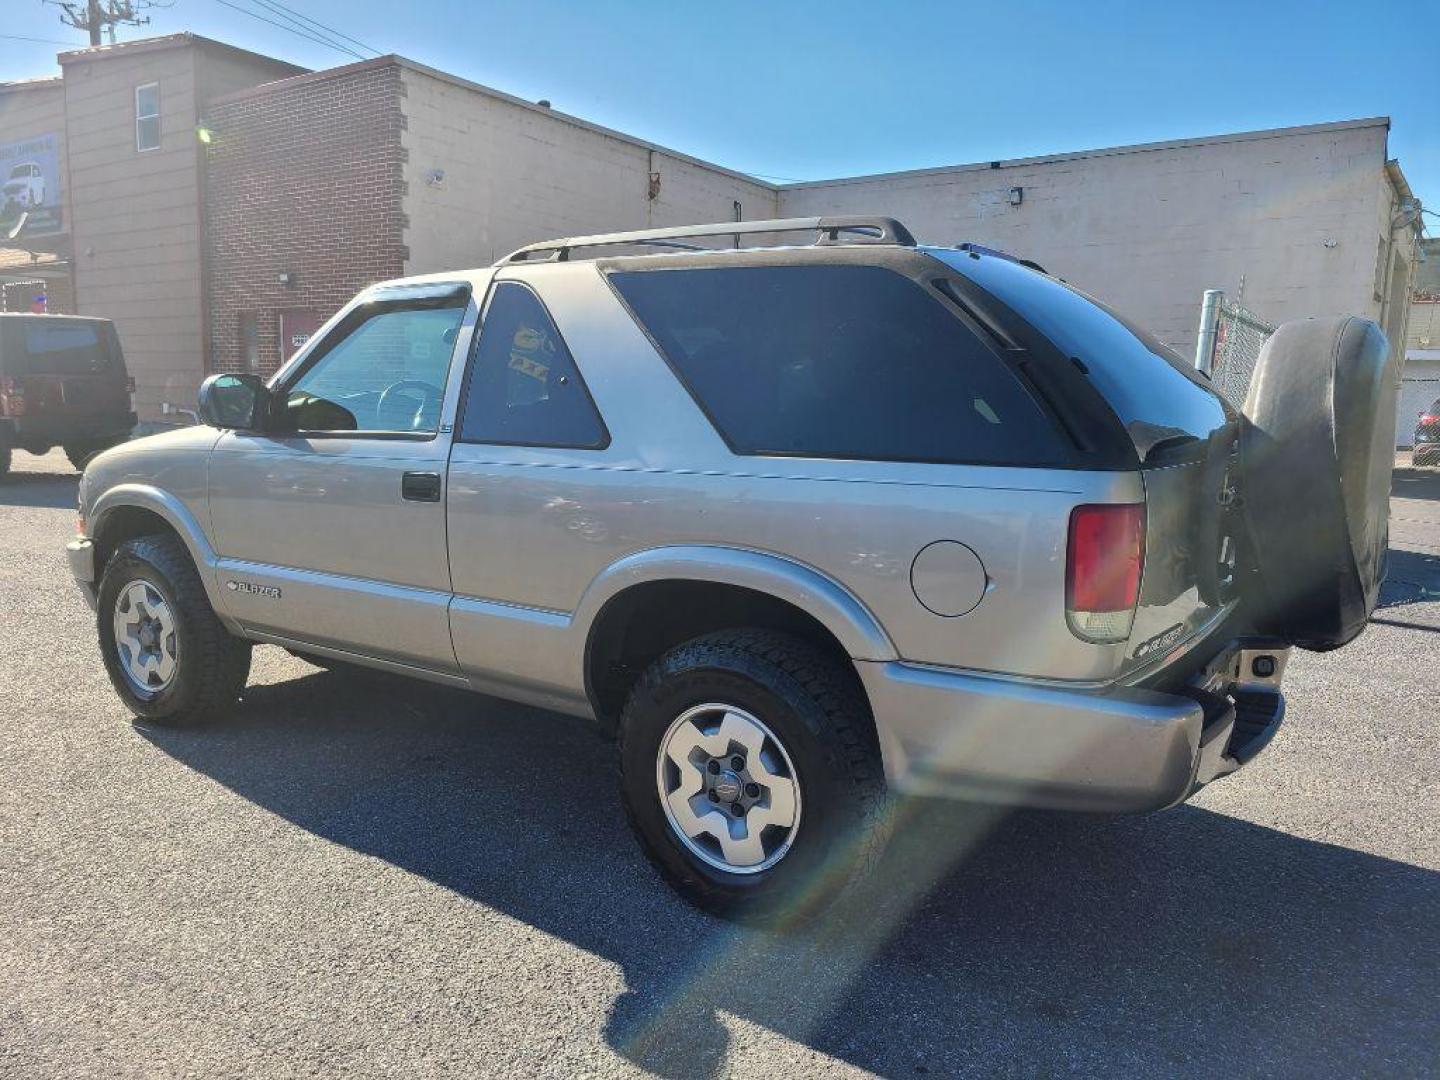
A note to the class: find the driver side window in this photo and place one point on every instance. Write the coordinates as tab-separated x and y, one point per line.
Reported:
385	374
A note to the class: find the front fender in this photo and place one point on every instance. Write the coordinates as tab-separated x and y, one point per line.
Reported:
174	512
821	597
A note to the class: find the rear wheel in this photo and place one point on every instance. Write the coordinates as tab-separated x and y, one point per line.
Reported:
751	774
167	654
4	459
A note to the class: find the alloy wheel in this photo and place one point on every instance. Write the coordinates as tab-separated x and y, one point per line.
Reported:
729	789
145	638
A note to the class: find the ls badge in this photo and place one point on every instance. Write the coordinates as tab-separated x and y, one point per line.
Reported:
1159	641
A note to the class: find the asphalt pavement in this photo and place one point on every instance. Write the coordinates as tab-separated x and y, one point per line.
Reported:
359	875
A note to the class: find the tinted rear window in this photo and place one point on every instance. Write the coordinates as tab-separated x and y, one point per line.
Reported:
40	347
1155	394
838	361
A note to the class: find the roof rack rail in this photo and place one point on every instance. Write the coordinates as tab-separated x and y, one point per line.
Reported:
981	249
828	230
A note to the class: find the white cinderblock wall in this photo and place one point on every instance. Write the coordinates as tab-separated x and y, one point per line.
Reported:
1150	228
1295	218
516	173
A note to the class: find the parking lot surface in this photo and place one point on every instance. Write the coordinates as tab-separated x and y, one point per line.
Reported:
361	875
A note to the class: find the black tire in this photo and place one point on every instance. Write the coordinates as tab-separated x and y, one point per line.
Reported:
4	459
211	664
817	709
1317	452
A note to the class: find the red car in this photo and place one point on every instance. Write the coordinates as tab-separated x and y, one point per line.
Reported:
1427	436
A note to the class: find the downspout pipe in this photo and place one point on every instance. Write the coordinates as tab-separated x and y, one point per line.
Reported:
1205	340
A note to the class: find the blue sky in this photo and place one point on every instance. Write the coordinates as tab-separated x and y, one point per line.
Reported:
814	90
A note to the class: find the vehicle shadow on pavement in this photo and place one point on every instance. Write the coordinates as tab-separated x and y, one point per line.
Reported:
999	944
1411	577
38	489
1415	483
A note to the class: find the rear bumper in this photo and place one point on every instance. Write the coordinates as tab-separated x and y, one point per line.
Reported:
961	735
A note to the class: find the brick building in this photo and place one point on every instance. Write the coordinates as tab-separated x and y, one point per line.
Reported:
220	205
118	232
321	184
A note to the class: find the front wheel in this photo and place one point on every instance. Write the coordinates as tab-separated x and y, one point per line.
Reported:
751	774
166	652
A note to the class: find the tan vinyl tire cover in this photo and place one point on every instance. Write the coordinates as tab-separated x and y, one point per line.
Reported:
1317	453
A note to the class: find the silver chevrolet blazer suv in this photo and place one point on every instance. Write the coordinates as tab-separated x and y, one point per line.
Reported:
810	518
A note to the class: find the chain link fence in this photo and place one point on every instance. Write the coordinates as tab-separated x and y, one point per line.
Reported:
1231	338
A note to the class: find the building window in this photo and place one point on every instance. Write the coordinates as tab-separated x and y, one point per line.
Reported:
250	341
147	117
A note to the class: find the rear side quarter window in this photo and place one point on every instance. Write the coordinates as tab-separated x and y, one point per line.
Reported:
838	361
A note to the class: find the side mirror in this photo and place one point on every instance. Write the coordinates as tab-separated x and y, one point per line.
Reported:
239	401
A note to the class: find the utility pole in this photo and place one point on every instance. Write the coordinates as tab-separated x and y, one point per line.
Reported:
97	16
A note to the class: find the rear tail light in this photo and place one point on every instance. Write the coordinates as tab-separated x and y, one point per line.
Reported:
1428	419
12	397
1102	571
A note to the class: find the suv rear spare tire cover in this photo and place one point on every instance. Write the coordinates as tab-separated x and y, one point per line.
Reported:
1317	453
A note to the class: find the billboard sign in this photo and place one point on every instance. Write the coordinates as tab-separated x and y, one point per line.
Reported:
30	184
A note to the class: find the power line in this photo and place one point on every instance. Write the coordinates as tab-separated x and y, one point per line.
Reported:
288	12
299	33
300	27
38	40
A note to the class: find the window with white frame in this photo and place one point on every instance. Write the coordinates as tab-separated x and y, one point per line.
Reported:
147	117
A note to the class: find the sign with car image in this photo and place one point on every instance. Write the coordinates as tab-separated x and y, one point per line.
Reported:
30	184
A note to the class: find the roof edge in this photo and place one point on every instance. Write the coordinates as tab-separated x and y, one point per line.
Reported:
38	82
1109	151
1397	179
168	41
599	129
406	64
304	77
